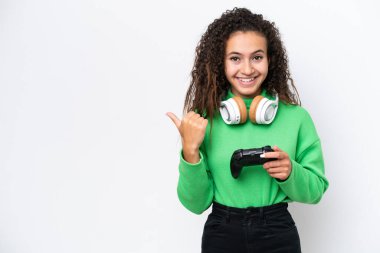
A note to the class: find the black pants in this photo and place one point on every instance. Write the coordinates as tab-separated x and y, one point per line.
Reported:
255	229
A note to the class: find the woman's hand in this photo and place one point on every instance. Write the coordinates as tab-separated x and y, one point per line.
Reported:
280	168
192	129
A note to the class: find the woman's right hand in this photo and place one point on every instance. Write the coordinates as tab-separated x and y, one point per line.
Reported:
192	129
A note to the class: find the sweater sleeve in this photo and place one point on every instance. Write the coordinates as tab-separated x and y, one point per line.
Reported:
195	185
307	182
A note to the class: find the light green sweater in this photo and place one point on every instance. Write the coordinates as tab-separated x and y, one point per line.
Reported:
210	179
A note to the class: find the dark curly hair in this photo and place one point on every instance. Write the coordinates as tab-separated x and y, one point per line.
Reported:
209	84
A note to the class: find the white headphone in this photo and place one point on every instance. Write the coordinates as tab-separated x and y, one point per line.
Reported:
261	111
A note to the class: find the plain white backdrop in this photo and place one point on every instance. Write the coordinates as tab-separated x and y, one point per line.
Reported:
88	159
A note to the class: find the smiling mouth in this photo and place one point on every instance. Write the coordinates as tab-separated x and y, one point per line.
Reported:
246	81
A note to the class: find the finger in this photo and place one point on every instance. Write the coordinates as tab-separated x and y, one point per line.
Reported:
276	149
272	164
174	118
195	116
275	170
281	176
271	155
189	115
278	163
205	122
198	118
201	122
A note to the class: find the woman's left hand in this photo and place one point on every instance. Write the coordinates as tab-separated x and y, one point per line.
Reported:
280	168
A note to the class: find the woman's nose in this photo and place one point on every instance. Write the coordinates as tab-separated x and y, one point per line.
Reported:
247	68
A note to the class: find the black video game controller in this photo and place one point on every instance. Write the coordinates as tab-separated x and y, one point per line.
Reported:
248	157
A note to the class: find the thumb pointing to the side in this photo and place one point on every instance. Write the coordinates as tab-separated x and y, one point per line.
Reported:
174	118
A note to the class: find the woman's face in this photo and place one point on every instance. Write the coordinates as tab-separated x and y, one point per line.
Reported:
246	63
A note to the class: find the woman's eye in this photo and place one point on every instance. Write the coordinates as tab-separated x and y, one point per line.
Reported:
234	58
257	57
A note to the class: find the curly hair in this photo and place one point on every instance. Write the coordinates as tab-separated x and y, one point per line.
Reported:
209	85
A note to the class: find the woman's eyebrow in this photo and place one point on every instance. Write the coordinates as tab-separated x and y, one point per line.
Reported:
257	51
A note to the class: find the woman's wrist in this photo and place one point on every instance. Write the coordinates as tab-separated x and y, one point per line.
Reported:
191	155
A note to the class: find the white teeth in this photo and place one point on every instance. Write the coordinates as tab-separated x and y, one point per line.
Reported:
246	80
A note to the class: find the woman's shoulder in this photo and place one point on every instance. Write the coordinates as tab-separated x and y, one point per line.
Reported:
295	115
295	110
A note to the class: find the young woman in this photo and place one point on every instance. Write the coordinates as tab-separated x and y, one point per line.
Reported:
242	96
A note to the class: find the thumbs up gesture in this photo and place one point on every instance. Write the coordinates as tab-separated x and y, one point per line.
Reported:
192	129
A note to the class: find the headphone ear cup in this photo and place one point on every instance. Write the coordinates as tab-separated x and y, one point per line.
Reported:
263	110
253	108
233	111
242	109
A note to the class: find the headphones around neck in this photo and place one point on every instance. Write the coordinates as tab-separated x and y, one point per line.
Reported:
261	111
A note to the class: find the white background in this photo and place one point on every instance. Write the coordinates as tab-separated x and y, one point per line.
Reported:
88	159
